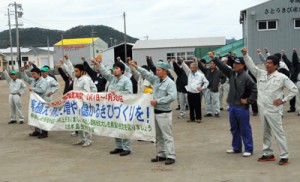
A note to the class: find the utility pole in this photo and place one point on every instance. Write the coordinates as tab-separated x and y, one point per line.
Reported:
92	35
115	42
18	14
48	50
10	40
62	46
111	41
125	38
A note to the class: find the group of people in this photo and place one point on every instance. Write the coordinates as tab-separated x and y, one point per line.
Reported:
236	78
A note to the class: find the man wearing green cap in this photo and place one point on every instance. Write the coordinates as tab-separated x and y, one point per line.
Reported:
52	84
16	88
164	93
39	86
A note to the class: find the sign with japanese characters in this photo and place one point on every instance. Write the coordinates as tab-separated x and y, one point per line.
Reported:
294	7
127	116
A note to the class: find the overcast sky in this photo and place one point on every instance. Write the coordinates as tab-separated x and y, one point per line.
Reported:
158	19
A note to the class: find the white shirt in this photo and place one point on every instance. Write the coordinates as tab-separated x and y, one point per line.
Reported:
84	84
195	80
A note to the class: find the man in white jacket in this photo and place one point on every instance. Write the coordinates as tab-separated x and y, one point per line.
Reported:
270	100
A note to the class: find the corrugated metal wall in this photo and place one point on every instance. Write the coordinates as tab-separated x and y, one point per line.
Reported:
286	37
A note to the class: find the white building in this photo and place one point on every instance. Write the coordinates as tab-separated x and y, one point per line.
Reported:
79	47
172	48
38	55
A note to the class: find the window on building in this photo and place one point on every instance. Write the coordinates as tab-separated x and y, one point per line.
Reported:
297	23
181	54
25	60
267	25
189	56
11	63
170	56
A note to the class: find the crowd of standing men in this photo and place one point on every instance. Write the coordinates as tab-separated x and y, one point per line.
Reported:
236	78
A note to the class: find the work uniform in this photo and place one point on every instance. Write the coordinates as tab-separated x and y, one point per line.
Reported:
40	87
223	91
16	88
53	88
211	94
270	88
298	95
164	92
84	84
121	85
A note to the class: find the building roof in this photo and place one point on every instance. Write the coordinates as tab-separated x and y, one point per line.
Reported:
14	50
78	41
245	10
27	50
117	46
180	43
257	5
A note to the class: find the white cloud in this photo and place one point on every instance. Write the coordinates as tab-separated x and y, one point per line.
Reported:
157	19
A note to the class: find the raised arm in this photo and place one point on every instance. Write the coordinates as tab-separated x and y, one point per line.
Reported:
223	67
202	68
151	65
88	69
6	76
135	73
25	77
147	75
249	63
68	66
63	74
186	69
286	61
261	56
177	69
109	77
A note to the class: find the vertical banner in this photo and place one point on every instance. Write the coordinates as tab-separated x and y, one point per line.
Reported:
129	116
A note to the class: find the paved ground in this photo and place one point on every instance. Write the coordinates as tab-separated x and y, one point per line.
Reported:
200	152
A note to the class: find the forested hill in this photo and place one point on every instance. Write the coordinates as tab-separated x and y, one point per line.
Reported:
37	37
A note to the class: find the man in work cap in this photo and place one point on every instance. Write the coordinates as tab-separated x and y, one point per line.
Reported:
164	93
16	88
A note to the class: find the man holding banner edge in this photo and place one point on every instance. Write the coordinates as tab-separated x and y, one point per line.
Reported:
164	93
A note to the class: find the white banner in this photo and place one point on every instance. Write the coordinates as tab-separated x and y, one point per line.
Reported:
127	116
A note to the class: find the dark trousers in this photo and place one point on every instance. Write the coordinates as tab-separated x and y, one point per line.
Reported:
254	107
194	101
240	129
292	104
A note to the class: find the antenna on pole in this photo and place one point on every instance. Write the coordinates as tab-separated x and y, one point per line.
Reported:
18	14
125	37
93	43
10	40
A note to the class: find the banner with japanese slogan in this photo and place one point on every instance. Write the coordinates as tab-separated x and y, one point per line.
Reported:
127	116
